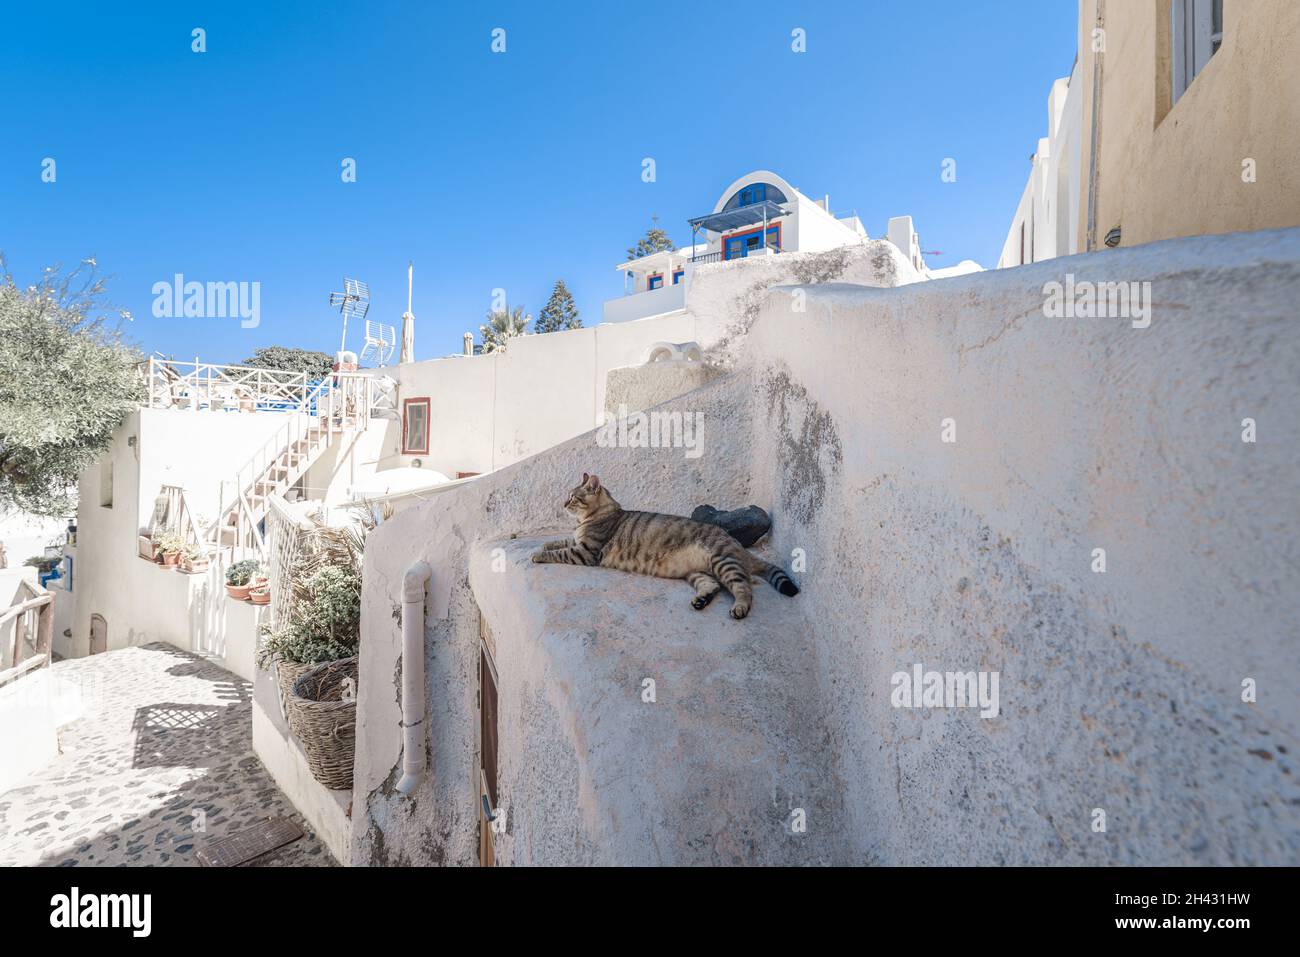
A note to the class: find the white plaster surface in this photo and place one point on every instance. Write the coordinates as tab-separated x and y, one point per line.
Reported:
1119	691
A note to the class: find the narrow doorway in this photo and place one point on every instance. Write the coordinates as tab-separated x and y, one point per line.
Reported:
98	634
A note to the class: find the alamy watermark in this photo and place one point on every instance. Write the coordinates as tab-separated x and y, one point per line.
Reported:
1098	300
653	430
212	300
946	689
76	909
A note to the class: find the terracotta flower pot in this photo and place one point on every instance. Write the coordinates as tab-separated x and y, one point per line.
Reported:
260	596
171	559
239	592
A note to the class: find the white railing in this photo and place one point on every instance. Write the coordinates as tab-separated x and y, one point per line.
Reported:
180	518
204	385
32	616
261	474
318	410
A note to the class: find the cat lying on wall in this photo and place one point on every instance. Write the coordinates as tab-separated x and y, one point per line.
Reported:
667	546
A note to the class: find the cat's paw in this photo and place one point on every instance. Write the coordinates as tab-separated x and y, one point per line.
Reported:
698	603
739	611
539	556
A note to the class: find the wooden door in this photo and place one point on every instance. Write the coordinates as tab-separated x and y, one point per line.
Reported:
98	634
487	765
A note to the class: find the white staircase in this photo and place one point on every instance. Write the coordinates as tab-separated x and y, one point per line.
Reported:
341	406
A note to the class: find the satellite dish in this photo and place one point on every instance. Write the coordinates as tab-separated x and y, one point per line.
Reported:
353	303
381	341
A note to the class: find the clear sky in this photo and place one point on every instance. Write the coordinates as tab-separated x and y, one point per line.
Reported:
488	170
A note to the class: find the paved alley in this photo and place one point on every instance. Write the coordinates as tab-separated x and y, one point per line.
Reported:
159	764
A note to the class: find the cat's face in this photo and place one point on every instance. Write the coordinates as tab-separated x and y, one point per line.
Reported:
585	495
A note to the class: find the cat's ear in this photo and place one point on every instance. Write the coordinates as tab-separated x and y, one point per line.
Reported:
593	482
585	477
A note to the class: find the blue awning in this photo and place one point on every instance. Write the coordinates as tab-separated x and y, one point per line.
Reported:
740	216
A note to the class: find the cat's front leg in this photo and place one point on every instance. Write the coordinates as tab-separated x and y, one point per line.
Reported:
567	555
558	543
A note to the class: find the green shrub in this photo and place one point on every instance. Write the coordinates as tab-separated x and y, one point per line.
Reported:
324	625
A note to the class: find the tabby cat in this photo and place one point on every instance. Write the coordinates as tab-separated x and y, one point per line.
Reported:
667	546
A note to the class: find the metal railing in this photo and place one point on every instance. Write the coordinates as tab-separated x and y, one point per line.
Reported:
716	257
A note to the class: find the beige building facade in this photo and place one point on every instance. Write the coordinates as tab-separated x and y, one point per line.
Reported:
1188	123
1219	158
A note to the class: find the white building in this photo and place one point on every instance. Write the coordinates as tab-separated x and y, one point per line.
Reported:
1046	221
230	458
759	214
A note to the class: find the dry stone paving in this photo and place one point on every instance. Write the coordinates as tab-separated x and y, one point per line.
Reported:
159	764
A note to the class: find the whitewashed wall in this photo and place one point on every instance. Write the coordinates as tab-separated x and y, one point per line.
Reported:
1120	691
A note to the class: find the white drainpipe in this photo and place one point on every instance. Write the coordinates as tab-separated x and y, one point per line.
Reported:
413	704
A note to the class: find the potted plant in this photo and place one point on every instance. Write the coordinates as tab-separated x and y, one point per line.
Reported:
239	578
145	547
194	558
170	546
324	626
260	593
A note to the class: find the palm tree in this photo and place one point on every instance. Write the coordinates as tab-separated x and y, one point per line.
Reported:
502	326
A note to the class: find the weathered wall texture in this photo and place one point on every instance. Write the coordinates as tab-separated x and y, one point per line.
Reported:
1166	172
1119	691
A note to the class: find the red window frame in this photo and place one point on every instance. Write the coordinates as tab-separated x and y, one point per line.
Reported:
406	446
649	281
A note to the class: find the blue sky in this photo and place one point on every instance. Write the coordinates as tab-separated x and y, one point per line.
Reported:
488	170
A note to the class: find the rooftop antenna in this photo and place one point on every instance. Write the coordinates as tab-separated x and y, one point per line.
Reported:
408	320
353	302
381	341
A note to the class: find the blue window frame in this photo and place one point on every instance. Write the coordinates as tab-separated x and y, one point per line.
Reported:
677	275
754	193
654	280
737	247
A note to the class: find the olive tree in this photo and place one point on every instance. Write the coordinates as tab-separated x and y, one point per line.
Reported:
67	380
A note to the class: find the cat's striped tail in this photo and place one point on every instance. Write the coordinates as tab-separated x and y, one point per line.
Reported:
774	576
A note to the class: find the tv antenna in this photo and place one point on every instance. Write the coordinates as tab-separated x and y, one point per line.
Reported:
381	341
353	303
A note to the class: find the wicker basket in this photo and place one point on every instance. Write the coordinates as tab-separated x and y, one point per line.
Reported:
286	673
324	723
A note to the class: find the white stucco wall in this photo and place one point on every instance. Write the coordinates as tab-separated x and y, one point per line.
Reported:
140	601
1120	691
1049	204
